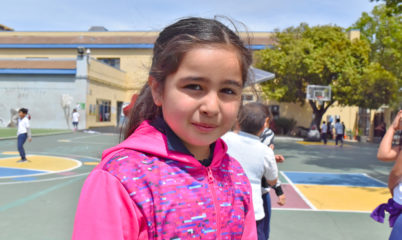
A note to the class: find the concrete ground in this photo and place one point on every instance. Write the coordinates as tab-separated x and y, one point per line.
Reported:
330	224
42	206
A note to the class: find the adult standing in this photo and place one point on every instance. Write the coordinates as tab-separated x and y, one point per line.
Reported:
339	132
324	130
330	134
343	132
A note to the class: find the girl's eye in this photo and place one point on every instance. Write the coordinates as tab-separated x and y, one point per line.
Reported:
193	87
228	91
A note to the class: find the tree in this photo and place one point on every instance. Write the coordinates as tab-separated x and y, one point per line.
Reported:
384	33
321	55
394	6
377	85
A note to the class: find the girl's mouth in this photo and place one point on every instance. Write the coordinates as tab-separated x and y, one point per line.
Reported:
204	127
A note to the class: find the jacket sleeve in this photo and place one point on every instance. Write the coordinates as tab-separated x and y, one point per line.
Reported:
250	225
106	211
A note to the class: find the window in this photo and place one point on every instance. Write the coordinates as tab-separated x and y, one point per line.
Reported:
114	62
274	109
103	113
364	121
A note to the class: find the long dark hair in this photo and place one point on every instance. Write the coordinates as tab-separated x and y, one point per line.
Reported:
169	49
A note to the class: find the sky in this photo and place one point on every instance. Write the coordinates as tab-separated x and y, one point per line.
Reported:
154	15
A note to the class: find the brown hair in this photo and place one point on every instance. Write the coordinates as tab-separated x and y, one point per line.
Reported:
169	49
252	117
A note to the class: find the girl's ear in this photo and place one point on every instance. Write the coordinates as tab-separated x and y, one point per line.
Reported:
155	90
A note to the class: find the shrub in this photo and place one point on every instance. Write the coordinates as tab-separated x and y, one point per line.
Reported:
284	125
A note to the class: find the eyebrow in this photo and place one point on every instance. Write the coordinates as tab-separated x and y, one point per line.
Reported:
201	79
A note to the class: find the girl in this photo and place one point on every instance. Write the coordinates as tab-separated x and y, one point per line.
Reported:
394	206
171	177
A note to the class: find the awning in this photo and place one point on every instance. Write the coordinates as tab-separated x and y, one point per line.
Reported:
258	76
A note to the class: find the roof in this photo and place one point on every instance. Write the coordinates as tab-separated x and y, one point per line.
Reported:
5	28
108	39
259	76
37	64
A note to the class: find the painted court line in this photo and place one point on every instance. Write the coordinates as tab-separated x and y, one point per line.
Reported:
34	172
73	138
326	210
24	200
337	185
45	180
46	172
333	179
67	154
299	192
375	179
324	172
93	143
56	178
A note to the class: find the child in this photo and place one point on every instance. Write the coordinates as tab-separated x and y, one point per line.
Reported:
172	178
267	137
394	206
23	133
256	158
76	119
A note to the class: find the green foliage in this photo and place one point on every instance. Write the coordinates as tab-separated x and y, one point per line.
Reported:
377	85
394	6
284	125
324	55
321	55
384	33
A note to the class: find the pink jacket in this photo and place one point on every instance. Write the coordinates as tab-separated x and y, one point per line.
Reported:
141	190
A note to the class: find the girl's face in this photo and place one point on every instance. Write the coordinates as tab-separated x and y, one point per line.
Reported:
201	99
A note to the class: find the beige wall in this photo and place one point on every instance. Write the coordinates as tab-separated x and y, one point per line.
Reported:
135	62
347	115
104	83
302	114
101	91
100	72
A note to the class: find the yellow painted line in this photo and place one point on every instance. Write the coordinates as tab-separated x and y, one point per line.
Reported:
91	163
344	198
42	163
319	143
10	153
64	140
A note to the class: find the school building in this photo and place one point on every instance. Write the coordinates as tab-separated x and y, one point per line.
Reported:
97	72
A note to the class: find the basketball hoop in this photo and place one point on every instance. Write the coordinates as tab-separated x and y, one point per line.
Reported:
319	100
318	93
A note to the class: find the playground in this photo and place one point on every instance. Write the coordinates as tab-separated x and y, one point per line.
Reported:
330	190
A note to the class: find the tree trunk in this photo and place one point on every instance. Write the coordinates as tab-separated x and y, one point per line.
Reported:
318	112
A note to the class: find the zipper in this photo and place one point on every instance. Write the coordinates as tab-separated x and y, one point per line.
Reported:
211	183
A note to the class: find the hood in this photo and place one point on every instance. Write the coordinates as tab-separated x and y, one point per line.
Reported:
148	139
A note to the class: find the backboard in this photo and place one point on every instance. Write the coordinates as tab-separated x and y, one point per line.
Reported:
318	93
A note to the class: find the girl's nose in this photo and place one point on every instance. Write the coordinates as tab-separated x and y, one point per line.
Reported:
210	104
